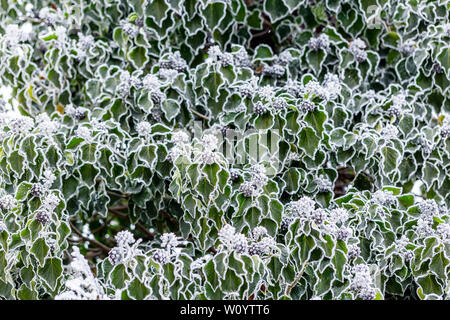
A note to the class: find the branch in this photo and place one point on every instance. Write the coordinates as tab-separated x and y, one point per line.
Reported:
94	242
141	227
120	195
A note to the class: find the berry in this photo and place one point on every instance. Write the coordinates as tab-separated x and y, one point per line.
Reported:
256	249
343	233
157	97
275	71
124	237
240	243
394	111
115	256
279	103
161	256
247	189
156	114
360	55
318	216
307	106
286	222
43	216
7	202
259	108
246	91
234	175
353	251
79	114
367	294
445	132
37	190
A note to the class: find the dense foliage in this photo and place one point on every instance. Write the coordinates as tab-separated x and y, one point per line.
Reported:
225	149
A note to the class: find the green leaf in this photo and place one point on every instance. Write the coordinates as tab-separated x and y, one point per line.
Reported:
138	56
136	289
429	285
316	119
276	9
309	141
214	13
118	276
157	9
22	191
391	159
232	282
51	272
315	59
40	250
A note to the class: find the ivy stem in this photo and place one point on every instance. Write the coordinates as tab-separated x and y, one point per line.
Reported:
198	114
296	280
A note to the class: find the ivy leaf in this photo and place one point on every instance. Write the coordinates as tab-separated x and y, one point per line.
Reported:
51	272
309	141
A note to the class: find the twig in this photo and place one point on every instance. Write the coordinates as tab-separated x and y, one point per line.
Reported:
296	280
103	226
104	248
198	114
120	195
116	212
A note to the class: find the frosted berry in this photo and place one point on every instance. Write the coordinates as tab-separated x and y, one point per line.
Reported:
37	190
115	256
307	106
43	216
259	108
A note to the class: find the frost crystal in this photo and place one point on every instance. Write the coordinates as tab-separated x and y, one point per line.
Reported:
248	189
362	282
321	42
210	142
124	237
174	61
85	42
339	215
83	132
302	207
45	125
353	251
144	129
428	208
285	58
384	198
21	124
180	137
50	202
82	285
324	184
275	71
241	58
443	230
407	48
169	241
7	202
259	232
129	29
357	47
226	235
240	243
151	82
